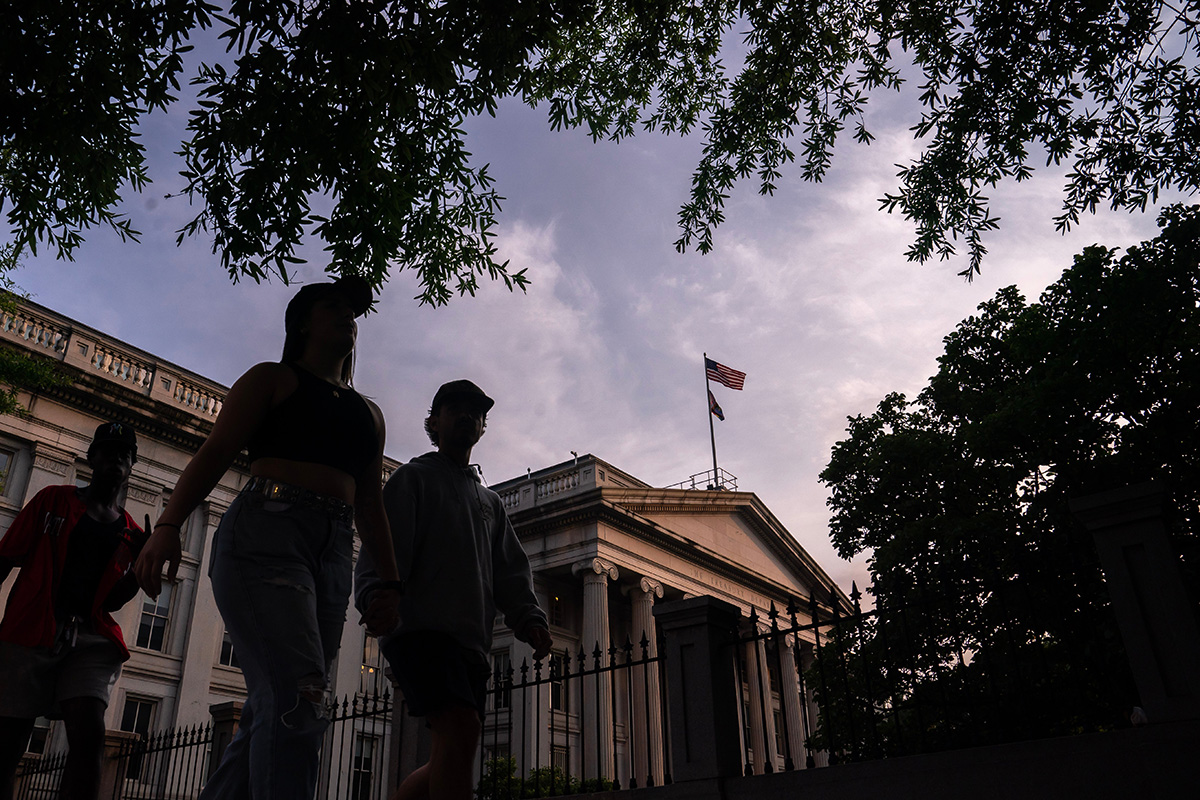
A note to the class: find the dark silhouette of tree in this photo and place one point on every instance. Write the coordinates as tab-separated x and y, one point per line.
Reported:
989	597
362	103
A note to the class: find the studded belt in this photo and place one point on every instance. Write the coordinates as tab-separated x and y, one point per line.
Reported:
279	491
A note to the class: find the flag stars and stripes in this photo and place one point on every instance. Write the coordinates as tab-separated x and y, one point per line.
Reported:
726	376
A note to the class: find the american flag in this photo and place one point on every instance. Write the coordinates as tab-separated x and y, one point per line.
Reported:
724	375
714	408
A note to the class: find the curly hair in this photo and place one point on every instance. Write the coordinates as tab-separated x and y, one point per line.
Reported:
432	434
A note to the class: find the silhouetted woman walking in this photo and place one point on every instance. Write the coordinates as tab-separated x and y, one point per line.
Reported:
281	560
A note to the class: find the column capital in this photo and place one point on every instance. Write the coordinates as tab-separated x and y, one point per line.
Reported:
651	586
596	566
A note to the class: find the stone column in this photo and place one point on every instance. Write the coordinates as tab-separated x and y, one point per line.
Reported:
204	624
762	721
789	690
646	698
597	721
51	466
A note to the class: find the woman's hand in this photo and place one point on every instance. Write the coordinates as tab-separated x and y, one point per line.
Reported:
382	615
163	548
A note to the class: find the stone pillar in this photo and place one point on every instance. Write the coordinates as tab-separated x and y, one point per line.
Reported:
597	717
225	719
702	701
115	762
646	699
51	466
789	691
762	721
1156	619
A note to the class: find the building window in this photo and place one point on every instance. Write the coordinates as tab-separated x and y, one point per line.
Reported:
372	680
228	658
137	717
363	766
779	732
501	680
40	736
152	632
7	457
558	614
559	664
558	758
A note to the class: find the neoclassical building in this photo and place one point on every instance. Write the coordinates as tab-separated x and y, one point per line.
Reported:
605	548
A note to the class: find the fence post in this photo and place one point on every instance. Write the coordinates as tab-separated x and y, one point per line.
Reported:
1157	622
115	763
698	636
225	719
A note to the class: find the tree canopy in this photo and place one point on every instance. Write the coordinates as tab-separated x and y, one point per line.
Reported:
960	496
363	103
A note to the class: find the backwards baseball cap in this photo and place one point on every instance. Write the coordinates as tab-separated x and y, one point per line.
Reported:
462	390
115	433
355	289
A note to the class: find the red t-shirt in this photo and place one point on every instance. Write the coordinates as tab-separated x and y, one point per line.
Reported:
37	542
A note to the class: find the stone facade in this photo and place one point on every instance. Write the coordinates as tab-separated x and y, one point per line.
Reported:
605	548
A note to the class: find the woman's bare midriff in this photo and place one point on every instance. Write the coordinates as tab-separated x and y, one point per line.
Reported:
318	478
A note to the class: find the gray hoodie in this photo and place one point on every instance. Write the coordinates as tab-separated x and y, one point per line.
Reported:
457	552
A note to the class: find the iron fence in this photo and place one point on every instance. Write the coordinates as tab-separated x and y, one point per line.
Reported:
886	682
576	723
174	764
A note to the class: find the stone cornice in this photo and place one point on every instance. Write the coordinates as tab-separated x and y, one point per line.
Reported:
595	506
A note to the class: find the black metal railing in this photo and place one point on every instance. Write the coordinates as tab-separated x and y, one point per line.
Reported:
855	685
174	764
576	723
171	763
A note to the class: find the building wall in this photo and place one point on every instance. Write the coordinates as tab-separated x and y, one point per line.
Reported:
604	546
172	410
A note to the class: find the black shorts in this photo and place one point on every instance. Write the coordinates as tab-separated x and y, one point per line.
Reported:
434	672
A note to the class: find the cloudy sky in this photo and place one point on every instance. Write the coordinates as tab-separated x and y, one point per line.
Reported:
807	292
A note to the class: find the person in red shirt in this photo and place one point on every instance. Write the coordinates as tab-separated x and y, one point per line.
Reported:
60	649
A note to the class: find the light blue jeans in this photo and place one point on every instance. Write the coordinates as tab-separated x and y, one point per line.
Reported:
281	575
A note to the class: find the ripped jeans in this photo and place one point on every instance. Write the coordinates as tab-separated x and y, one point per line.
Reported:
281	576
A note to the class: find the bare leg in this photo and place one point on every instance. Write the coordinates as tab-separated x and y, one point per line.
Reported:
448	774
84	721
414	787
455	740
14	738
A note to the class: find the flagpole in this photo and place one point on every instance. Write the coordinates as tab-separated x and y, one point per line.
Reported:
711	433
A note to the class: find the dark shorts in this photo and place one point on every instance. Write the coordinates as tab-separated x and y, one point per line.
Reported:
434	672
34	681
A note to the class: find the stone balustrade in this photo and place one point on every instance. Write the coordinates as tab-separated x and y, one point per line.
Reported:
511	498
557	484
122	367
37	332
42	331
200	400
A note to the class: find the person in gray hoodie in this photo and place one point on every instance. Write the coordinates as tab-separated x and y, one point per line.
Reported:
460	562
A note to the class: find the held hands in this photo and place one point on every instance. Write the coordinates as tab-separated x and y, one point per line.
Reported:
162	548
539	639
382	616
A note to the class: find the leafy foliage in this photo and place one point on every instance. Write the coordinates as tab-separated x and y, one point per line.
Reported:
19	370
961	496
500	782
361	105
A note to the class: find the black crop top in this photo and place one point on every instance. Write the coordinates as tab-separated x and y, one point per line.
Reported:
319	423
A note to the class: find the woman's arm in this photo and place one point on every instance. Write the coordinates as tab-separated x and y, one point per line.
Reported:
244	409
372	524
